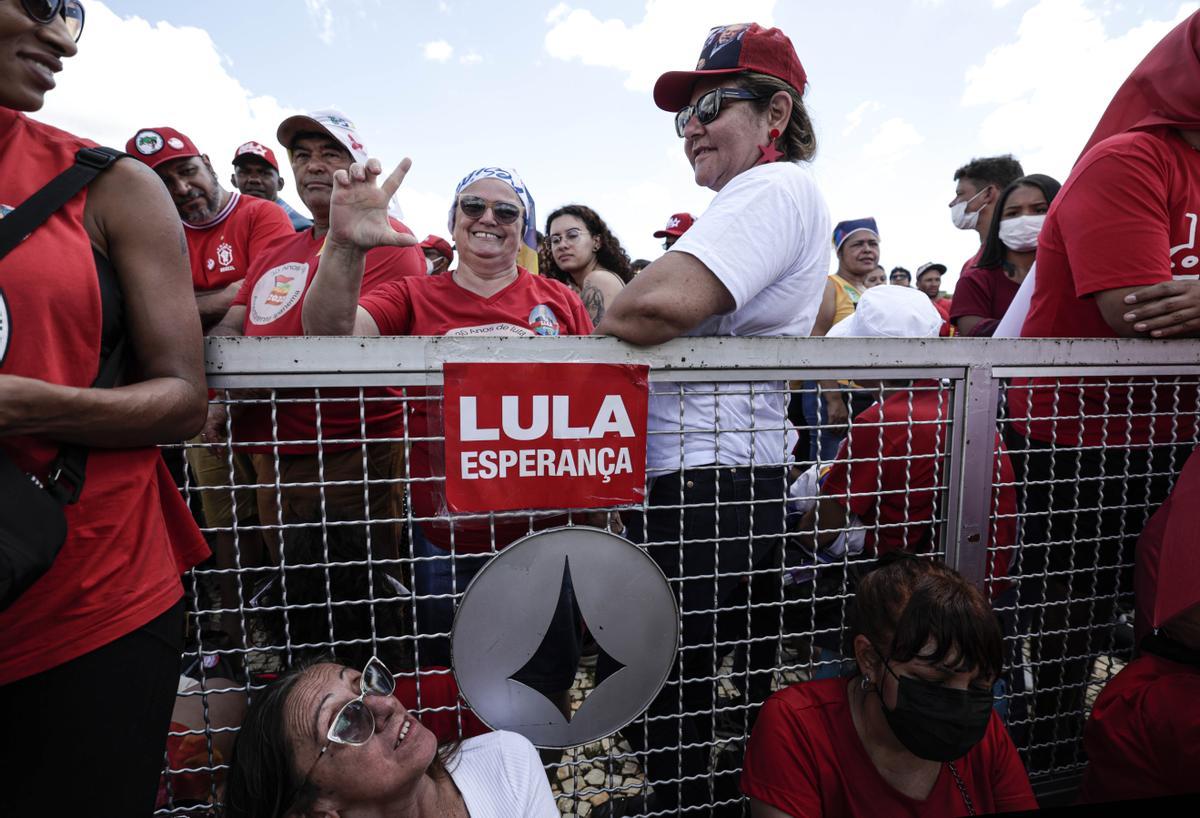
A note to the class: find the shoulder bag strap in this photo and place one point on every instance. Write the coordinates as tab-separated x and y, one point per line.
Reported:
69	467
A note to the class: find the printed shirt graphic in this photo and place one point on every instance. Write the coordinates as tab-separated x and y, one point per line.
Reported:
225	250
1126	218
437	305
273	296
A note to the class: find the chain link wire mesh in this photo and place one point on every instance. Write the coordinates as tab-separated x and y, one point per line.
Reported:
329	541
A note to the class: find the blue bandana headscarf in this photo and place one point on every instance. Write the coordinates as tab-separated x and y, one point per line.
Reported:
510	178
843	230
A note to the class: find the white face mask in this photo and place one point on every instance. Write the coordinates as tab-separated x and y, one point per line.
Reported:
1020	233
961	218
428	266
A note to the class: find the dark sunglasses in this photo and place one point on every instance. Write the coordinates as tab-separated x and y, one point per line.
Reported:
474	207
708	107
44	12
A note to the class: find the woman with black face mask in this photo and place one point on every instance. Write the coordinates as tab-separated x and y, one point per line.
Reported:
913	733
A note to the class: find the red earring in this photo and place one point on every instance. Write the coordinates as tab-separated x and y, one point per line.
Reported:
769	152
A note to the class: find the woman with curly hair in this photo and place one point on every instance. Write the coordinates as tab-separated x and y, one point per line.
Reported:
586	256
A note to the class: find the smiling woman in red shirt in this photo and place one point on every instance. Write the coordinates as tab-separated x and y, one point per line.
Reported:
913	733
89	653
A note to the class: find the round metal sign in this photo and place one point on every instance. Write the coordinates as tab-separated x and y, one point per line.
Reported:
505	615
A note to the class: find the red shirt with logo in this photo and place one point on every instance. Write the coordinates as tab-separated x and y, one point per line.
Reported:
273	296
130	535
1127	217
805	758
1142	736
223	250
437	305
887	468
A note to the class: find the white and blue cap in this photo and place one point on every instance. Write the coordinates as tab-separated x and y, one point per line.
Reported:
889	311
329	121
513	180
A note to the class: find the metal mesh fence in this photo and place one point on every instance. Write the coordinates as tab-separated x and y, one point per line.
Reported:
319	489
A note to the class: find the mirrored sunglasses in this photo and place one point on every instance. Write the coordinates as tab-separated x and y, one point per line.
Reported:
474	207
44	12
708	107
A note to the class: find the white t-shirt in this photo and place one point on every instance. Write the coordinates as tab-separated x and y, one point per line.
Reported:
766	237
500	776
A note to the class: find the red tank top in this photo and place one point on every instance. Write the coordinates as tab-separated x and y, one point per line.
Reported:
130	533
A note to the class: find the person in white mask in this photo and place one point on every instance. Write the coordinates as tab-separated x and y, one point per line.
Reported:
977	185
987	287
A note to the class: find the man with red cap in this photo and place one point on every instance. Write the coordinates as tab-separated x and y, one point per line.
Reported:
439	255
677	225
1117	257
224	230
270	304
256	173
1144	730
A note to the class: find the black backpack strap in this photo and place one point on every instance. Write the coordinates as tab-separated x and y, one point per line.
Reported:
68	469
18	224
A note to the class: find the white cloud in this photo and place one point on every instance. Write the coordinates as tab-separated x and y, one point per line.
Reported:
668	37
217	111
471	58
322	15
892	140
1047	88
855	117
438	51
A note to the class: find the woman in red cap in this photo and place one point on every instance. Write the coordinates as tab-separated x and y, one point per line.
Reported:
1117	257
89	653
754	263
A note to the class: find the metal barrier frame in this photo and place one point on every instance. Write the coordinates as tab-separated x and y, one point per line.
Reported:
975	369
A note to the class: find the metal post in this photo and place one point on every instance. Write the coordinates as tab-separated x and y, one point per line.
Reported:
972	467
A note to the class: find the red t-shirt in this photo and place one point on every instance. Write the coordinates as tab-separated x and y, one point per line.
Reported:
982	292
887	468
437	305
1144	732
130	534
805	758
1126	217
224	250
273	296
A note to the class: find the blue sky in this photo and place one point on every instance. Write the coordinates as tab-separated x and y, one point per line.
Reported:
901	92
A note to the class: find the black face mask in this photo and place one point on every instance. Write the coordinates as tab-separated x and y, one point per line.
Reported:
934	722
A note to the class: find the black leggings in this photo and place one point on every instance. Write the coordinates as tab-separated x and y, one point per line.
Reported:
730	520
87	737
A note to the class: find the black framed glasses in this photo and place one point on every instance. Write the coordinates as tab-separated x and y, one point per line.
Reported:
475	206
708	107
44	12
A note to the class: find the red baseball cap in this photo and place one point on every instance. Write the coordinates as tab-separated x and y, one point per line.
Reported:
258	151
677	225
440	245
154	146
733	49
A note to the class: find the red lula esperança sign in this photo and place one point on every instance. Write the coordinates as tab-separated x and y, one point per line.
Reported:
544	436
